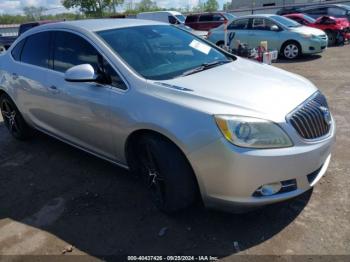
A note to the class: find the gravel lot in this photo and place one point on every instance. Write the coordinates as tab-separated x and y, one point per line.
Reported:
53	196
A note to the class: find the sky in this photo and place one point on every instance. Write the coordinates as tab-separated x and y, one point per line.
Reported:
55	6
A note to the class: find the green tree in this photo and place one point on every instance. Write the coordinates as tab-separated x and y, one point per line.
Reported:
91	7
34	13
211	5
227	6
147	5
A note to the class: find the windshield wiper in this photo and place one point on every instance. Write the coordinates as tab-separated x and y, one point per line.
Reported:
205	66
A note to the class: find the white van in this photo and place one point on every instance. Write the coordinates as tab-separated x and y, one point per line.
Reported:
172	17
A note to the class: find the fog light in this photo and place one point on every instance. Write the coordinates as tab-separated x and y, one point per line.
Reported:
268	189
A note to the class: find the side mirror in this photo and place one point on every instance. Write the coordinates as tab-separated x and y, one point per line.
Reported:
81	73
274	28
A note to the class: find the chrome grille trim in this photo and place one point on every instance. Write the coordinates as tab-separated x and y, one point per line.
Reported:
309	119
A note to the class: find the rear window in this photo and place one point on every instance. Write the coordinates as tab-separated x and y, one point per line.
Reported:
191	18
239	24
17	50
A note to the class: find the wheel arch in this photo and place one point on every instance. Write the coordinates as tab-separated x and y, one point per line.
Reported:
291	41
129	150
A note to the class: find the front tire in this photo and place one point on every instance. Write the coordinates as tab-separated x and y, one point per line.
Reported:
291	50
167	174
13	119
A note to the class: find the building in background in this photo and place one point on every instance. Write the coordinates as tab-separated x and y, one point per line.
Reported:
242	4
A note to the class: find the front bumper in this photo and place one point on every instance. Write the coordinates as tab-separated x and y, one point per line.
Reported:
314	45
228	175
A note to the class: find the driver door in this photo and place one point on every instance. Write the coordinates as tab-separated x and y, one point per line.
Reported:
261	31
80	111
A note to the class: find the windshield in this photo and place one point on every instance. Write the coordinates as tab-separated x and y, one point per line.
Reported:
181	18
285	21
309	19
161	52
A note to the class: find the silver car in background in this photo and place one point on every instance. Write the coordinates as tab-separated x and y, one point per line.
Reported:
192	121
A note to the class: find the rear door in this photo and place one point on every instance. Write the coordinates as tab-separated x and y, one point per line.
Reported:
29	77
238	30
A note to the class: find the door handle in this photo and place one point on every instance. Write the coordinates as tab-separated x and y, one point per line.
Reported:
54	89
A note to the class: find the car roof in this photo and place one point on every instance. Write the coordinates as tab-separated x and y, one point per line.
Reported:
257	15
159	12
98	24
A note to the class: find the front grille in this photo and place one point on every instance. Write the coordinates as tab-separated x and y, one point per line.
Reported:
312	119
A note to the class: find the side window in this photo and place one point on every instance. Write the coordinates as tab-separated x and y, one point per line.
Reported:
262	24
113	78
218	17
239	24
36	49
71	50
191	19
335	11
206	18
172	20
17	50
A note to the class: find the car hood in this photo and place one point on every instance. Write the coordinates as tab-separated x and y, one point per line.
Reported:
307	30
249	86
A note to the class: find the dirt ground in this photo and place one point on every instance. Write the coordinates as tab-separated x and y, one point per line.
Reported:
53	196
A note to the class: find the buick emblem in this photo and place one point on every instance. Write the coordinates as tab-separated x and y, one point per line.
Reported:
326	115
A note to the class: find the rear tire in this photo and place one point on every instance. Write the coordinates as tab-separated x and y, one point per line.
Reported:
291	50
167	173
13	119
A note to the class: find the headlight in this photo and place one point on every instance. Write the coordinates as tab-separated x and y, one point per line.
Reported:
308	36
252	132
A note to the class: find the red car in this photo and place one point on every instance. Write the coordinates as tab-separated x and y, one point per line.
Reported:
207	21
337	29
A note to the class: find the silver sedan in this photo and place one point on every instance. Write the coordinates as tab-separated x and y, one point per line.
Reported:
192	121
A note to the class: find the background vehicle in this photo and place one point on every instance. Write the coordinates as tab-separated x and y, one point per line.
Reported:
207	21
337	29
184	115
6	42
26	26
335	10
285	35
171	17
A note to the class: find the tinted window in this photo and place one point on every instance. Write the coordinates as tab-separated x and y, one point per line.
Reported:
239	24
36	49
191	19
172	20
16	51
71	50
113	78
206	18
161	52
